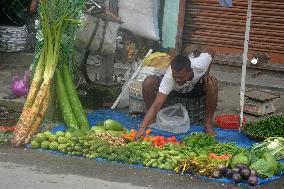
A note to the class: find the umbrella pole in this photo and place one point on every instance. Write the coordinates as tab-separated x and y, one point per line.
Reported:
245	58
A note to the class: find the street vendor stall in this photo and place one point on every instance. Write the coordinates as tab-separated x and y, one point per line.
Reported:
109	135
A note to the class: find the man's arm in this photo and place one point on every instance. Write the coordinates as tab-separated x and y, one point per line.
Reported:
151	113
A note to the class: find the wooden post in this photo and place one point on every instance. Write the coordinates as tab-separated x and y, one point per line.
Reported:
106	69
180	26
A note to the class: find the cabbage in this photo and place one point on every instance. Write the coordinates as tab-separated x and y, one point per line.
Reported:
267	166
240	159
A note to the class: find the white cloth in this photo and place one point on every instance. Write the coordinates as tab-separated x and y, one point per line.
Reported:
198	64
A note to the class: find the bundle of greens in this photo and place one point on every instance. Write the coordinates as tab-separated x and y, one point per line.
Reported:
72	111
53	25
273	145
198	141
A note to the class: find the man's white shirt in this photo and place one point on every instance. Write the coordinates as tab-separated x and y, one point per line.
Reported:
199	65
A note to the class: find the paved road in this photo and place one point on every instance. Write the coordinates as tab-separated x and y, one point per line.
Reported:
30	169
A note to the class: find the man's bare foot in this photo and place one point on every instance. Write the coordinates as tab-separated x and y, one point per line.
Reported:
210	131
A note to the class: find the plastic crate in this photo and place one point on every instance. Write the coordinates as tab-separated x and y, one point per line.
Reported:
7	128
194	106
136	102
229	121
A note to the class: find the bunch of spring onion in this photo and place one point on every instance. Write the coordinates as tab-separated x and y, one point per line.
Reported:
35	107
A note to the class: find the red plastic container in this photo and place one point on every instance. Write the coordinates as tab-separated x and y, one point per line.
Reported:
7	128
229	121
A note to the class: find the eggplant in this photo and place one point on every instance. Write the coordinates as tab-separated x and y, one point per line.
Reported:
241	166
216	174
228	173
245	173
253	172
222	169
237	177
236	170
252	180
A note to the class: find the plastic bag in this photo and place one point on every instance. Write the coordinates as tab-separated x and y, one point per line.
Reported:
173	119
140	17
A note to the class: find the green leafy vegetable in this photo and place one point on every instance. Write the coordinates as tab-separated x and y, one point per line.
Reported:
267	166
199	140
273	145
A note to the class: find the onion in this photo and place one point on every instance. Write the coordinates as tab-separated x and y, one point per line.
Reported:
253	172
19	87
236	177
252	180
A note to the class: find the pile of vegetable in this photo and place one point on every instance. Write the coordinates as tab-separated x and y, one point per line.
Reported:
130	136
269	127
199	141
160	141
199	164
111	126
163	159
198	153
106	136
237	173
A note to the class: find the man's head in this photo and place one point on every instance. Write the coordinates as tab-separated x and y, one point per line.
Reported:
181	69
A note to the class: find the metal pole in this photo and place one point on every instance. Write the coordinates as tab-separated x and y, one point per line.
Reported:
245	58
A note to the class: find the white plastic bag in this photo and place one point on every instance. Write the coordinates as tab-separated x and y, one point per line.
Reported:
140	17
105	38
173	119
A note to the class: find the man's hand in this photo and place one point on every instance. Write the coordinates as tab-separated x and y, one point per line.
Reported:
141	133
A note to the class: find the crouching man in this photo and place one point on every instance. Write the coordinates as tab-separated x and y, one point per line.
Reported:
186	77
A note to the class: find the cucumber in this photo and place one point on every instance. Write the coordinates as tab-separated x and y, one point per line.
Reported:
160	159
167	155
161	154
155	164
150	162
173	153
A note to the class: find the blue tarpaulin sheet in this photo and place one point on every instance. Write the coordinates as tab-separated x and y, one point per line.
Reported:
223	135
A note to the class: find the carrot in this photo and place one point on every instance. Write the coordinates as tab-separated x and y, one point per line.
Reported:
213	155
148	131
